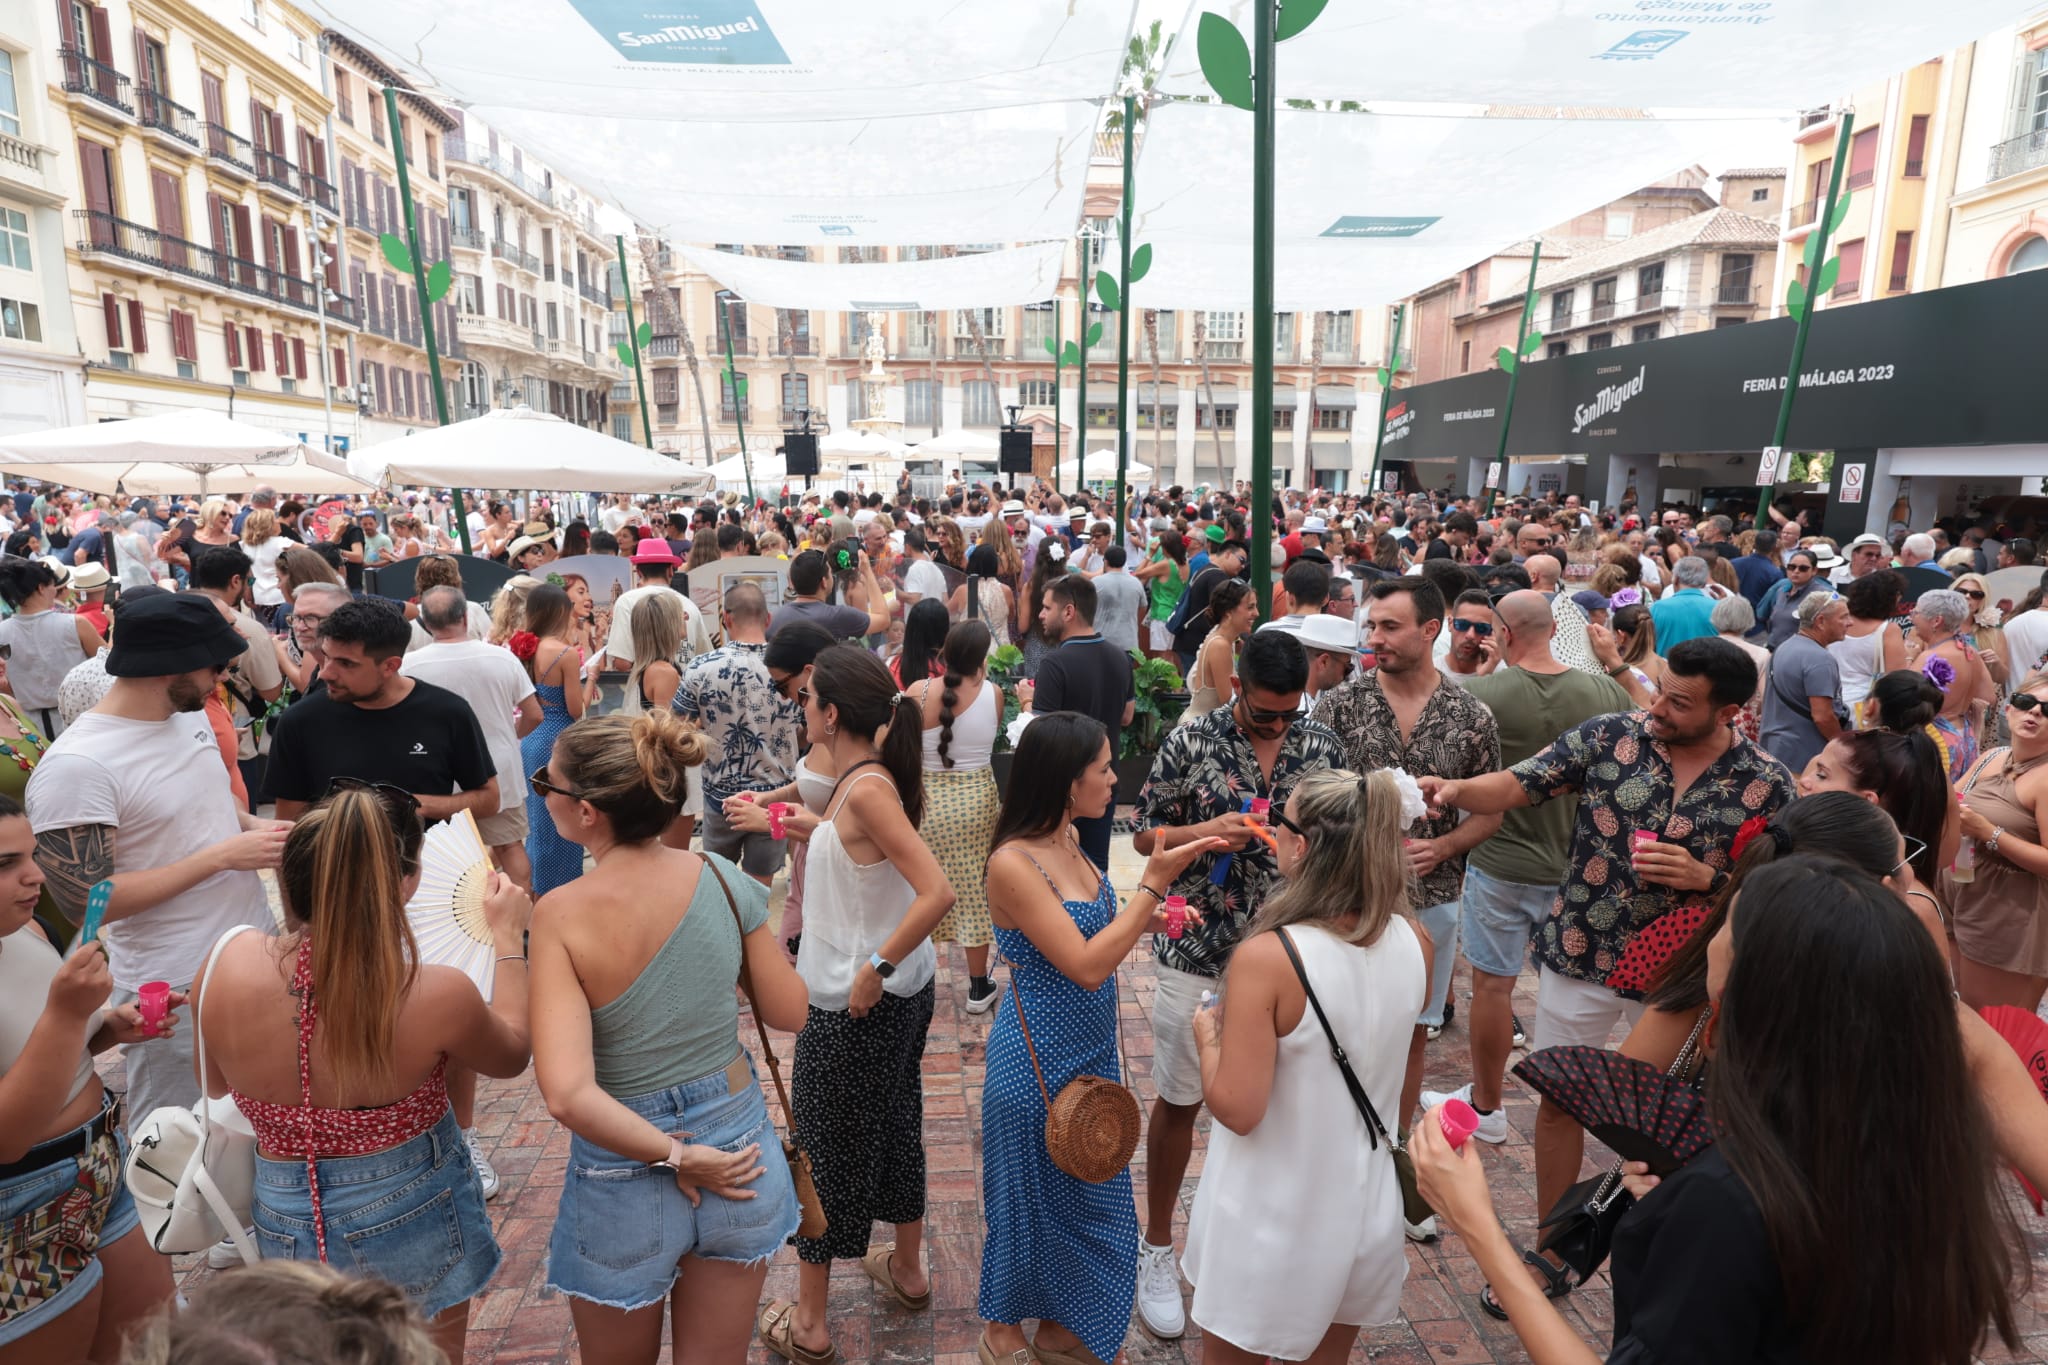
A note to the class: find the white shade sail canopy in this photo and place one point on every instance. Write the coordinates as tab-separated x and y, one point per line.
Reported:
1783	54
859	447
1372	207
520	448
987	279
191	438
918	121
312	471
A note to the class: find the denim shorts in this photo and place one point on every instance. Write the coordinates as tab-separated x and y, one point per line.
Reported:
412	1214
26	1193
623	1227
1500	919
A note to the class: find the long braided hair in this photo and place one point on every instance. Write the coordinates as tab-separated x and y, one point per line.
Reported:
964	654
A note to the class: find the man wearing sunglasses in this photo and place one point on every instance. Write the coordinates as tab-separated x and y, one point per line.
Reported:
1473	632
1256	747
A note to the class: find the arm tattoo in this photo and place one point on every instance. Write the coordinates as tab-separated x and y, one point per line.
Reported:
75	860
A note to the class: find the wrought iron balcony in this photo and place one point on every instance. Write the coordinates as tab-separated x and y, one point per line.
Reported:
458	149
276	170
230	149
593	294
805	346
85	76
1737	294
467	239
662	348
318	189
104	235
165	115
512	255
2022	153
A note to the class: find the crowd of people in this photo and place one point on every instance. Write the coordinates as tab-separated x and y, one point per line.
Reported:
1729	793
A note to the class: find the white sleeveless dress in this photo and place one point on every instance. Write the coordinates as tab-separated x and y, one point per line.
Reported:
1297	1224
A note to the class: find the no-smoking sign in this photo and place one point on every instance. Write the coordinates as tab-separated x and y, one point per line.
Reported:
1852	482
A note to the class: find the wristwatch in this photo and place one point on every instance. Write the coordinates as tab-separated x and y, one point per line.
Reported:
674	1160
883	967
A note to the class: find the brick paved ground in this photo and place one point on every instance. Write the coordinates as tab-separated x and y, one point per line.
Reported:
517	1320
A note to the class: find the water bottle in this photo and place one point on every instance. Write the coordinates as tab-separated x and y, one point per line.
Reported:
1965	869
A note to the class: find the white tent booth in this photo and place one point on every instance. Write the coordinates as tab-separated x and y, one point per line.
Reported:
521	448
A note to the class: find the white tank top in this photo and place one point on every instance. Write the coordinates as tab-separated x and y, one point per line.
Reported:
850	910
974	733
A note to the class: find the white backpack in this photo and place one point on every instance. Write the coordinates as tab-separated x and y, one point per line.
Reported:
192	1172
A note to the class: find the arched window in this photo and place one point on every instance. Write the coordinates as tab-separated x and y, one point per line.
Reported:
476	387
2031	254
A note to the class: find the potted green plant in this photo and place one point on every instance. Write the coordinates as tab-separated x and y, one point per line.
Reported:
1159	697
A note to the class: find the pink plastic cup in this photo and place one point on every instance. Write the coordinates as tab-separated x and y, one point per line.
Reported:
153	999
1459	1121
778	811
1640	839
1262	807
1176	915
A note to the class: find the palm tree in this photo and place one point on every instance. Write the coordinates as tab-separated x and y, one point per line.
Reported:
1158	428
1208	392
659	300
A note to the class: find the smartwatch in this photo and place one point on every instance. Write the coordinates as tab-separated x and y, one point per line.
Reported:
883	967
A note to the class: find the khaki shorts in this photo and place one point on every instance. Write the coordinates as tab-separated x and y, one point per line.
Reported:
506	827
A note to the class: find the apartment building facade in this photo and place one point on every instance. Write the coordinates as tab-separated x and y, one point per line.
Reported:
532	292
1190	374
41	371
198	179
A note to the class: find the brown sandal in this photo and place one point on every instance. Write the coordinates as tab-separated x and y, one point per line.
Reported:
1020	1356
876	1263
777	1326
1080	1355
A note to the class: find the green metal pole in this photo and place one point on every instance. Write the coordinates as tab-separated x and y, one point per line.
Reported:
1123	323
1265	12
1081	382
633	340
1822	229
419	285
1500	456
739	399
1372	479
1056	344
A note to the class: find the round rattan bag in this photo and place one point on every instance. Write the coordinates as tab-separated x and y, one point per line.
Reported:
1091	1129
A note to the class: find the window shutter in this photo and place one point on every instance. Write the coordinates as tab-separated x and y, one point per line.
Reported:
253	344
170	207
337	366
299	356
138	335
103	46
99	189
291	252
280	352
67	23
213	225
234	336
183	337
111	307
259	132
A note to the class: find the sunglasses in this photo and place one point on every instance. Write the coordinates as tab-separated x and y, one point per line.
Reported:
1914	848
1258	717
1482	629
2025	701
543	788
1972	594
397	800
1281	816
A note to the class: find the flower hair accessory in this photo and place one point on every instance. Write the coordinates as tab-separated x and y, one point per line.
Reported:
1749	829
524	644
1625	597
1939	671
1053	549
1414	805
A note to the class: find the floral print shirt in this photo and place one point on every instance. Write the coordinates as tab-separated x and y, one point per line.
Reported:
1624	783
1206	768
753	731
1454	737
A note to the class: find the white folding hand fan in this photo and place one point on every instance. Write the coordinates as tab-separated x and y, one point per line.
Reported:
447	912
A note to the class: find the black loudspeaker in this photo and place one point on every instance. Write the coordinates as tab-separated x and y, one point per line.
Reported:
1016	453
800	453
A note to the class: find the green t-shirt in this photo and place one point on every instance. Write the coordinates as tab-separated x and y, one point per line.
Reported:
1532	710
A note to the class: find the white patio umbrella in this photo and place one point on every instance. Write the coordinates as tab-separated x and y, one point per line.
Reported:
520	448
192	445
958	441
767	467
860	447
310	471
1101	464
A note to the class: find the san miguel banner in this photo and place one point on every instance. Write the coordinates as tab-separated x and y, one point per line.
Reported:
1956	366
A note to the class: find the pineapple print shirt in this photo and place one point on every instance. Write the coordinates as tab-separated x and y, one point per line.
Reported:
1623	781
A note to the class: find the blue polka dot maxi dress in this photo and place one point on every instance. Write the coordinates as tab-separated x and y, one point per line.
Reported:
1058	1249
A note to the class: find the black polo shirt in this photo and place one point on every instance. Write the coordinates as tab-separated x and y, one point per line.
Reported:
1090	675
429	744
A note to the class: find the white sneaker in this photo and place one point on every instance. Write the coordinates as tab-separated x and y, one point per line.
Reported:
1424	1231
486	1173
982	1004
223	1255
1493	1127
1159	1303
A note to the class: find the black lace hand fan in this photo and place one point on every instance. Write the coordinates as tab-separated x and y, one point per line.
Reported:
1638	1111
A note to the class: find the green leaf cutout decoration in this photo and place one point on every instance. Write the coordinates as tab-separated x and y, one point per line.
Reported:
1384	376
1094	333
1141	261
1841	212
1506	359
438	279
1071	355
1226	60
1795	298
1052	347
1811	255
644	333
1531	342
625	355
1829	273
739	388
1106	290
395	252
1296	15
